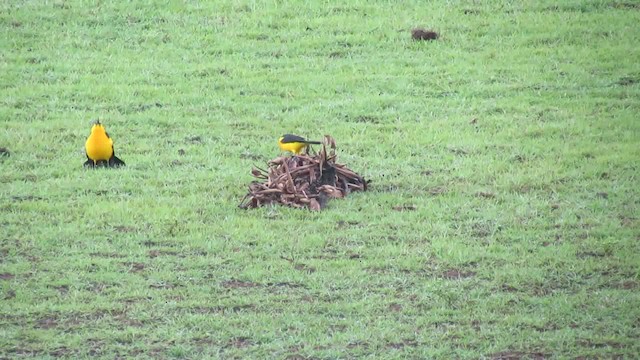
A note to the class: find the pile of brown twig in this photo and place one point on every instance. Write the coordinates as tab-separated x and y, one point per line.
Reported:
303	180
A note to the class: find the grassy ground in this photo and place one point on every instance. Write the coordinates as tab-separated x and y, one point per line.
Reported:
502	220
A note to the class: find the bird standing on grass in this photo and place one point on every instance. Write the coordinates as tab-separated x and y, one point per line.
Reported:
99	147
294	143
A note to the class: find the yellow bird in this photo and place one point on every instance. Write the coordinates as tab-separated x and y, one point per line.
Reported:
294	143
99	147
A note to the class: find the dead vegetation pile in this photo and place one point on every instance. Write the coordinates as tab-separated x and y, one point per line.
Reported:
303	180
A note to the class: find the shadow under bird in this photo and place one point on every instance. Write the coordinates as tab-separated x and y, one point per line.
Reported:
99	148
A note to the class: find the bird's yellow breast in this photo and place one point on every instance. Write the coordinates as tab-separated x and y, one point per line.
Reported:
99	146
294	147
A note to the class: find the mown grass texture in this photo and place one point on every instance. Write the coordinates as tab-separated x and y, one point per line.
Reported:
502	219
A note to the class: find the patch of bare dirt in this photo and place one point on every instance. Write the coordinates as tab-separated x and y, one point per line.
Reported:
95	347
629	284
60	352
235	284
129	322
458	151
485	194
78	319
203	341
26	198
124	229
342	224
106	255
458	274
627	221
156	253
295	357
372	119
251	156
164	285
194	139
23	352
546	327
240	342
305	268
134	267
481	230
438	190
402	344
286	284
62	289
627	81
626	5
405	208
97	287
47	323
508	288
517	355
357	344
6	276
588	254
221	309
133	354
300	357
9	294
601	344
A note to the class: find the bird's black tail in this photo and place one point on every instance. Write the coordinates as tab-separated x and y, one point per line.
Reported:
313	142
115	162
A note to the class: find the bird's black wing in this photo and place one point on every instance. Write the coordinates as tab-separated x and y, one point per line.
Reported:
89	162
288	138
113	160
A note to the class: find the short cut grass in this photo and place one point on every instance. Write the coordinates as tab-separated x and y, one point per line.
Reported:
502	220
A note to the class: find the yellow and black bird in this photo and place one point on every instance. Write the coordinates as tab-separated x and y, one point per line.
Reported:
294	143
99	147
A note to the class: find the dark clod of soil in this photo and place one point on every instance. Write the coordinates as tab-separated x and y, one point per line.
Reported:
4	151
405	208
627	81
486	194
303	181
6	276
422	34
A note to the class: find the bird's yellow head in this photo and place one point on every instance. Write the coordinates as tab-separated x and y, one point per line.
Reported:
97	127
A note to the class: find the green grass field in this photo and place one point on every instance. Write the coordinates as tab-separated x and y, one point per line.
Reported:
502	219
